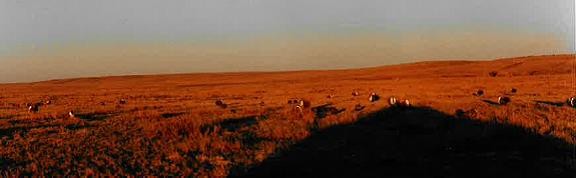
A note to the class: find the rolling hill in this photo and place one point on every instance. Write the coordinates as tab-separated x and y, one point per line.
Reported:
170	124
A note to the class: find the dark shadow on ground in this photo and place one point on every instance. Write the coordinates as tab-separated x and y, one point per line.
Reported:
557	104
241	126
94	116
22	129
172	115
490	102
233	124
421	142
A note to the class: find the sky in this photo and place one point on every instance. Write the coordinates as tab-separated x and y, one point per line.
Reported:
42	40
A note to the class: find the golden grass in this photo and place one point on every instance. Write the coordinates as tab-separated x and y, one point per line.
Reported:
170	125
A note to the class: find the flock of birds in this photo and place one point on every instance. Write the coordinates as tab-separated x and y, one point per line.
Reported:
502	100
505	99
35	107
325	109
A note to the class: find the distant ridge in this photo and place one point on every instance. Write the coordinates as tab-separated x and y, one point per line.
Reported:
518	66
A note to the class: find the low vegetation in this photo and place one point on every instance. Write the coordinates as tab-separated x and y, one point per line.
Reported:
171	125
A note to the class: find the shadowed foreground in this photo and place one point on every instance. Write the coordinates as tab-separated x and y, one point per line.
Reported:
172	125
422	142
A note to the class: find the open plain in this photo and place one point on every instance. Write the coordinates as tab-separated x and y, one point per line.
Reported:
171	124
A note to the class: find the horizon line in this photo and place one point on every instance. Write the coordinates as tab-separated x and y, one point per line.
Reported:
414	61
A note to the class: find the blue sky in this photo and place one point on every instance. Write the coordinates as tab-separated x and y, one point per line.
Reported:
263	31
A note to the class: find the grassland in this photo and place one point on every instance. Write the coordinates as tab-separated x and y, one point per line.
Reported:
170	125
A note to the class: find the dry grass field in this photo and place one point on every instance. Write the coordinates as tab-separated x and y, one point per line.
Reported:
170	125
